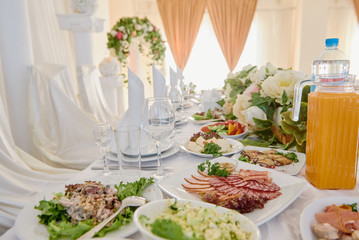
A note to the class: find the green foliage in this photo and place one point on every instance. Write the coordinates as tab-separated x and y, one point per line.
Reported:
213	169
212	148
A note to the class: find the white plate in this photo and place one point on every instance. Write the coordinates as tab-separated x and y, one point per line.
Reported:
181	121
150	148
236	147
292	169
27	224
291	188
152	209
202	122
173	150
307	217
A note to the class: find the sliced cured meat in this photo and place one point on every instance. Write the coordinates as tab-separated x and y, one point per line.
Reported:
201	178
263	187
195	181
333	218
196	186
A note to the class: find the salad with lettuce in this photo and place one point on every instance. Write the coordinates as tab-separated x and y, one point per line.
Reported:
186	222
82	206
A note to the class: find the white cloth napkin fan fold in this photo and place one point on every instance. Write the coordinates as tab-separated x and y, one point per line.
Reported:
159	83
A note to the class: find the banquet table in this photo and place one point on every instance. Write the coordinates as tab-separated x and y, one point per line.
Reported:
285	225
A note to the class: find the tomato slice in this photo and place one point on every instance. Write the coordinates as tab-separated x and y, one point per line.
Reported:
205	129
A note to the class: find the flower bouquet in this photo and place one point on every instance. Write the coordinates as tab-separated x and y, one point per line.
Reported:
261	98
130	29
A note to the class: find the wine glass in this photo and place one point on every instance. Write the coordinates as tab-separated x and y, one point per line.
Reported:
176	99
102	137
158	123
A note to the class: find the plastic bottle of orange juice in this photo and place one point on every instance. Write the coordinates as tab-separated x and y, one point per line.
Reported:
332	130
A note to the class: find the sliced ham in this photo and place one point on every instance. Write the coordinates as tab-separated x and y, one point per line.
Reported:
196	182
201	178
195	186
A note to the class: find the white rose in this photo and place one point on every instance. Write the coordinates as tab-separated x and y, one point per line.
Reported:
254	112
271	69
149	28
242	103
246	68
231	75
124	36
275	85
137	27
122	29
114	33
134	20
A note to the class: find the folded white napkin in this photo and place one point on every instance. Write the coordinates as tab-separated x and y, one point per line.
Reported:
159	83
180	77
173	77
136	101
209	99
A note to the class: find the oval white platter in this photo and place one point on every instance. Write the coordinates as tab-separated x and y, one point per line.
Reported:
291	169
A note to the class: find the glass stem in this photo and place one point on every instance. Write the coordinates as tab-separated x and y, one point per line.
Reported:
160	170
106	170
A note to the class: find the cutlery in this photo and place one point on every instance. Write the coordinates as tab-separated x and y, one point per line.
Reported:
132	201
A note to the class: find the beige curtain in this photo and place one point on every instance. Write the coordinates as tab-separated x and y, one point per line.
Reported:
231	20
181	20
356	5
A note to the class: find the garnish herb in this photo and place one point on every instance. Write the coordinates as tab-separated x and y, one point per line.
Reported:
213	169
244	159
212	148
291	155
354	207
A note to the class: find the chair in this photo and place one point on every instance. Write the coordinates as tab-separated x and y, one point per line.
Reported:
62	131
21	175
91	96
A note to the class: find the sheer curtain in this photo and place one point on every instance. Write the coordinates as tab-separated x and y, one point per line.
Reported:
343	24
231	20
181	20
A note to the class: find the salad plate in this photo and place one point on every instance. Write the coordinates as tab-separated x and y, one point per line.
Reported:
222	129
291	169
27	224
236	147
291	189
153	209
307	217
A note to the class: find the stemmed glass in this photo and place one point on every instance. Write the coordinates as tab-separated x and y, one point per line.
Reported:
158	123
102	137
175	96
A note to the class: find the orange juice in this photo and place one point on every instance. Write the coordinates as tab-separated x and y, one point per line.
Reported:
332	140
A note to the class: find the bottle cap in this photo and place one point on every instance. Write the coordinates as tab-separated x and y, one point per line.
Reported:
331	42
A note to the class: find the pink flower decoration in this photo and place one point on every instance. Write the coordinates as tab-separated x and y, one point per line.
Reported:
154	28
119	35
253	88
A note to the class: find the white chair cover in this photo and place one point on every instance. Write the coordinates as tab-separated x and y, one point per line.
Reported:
91	96
61	130
21	175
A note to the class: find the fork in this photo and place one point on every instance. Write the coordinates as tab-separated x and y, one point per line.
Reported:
132	201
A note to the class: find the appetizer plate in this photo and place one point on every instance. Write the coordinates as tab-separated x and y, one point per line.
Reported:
291	188
291	169
307	217
202	122
236	147
27	224
237	136
151	210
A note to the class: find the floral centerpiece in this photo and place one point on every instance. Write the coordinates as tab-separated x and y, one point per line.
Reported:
126	30
262	98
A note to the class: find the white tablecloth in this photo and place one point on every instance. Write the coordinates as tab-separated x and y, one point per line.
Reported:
284	226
